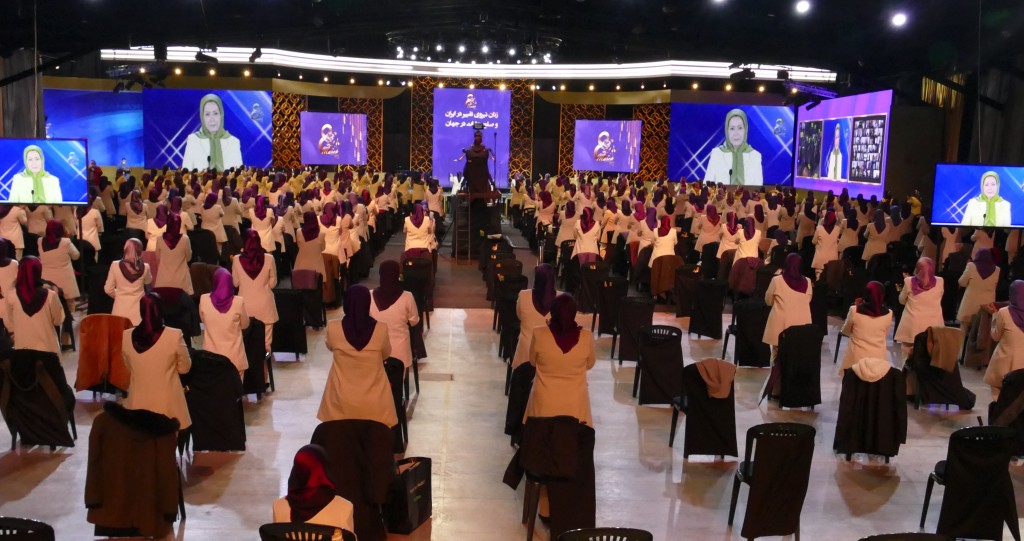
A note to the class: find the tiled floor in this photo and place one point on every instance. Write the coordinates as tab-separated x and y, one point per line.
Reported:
458	421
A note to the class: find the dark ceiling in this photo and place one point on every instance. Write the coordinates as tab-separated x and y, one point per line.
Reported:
850	36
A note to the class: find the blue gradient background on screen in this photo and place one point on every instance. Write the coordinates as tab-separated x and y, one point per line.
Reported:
696	128
956	184
453	130
828	141
73	181
170	116
625	136
350	133
112	123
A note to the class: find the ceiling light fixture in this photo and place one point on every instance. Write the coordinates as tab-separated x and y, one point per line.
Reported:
803	6
352	81
462	48
760	88
440	85
213	72
899	19
485	49
501	86
203	57
728	87
177	71
695	86
591	87
511	51
325	78
561	87
246	73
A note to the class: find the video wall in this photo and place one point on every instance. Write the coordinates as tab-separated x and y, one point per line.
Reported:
842	143
332	138
978	195
111	122
198	129
607	145
51	171
749	145
456	112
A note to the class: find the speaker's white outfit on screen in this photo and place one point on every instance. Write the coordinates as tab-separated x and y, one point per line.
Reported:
835	166
975	213
197	151
720	163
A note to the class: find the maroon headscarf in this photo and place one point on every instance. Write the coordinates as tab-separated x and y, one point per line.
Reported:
924	276
792	275
223	292
160	218
389	290
28	285
173	232
260	209
830	222
543	288
748	228
639	211
732	224
563	322
759	214
329	218
357	323
666	226
252	256
5	210
570	209
984	264
417	215
211	200
310	226
309	488
1016	307
651	220
7	251
545	199
152	324
587	219
131	265
54	232
711	213
175	204
873	303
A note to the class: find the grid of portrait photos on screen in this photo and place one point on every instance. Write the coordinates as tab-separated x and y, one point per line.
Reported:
866	152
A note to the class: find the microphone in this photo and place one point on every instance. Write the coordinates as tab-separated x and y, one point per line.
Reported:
730	176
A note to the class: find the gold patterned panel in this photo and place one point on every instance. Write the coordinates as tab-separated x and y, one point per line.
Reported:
421	139
374	111
568	114
654	139
285	148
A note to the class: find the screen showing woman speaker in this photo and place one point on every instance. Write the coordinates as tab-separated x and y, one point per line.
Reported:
978	195
43	171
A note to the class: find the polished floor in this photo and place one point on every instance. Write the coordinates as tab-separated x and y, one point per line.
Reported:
457	421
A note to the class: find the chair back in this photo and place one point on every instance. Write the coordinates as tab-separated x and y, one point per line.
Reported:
612	290
100	361
306	279
591	276
710	421
204	246
799	359
634	314
301	531
779	475
24	529
907	537
607	534
979	494
180	311
416	278
37	401
661	362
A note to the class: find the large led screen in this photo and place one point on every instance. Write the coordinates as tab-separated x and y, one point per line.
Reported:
842	142
112	123
747	145
978	195
201	129
50	171
607	145
332	138
456	111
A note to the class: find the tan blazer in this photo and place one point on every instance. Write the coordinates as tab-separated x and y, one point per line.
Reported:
560	387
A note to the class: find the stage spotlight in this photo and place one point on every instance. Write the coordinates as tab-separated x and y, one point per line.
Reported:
415	49
246	73
519	61
438	47
213	72
300	76
641	86
399	55
591	87
782	74
462	48
255	55
552	87
325	78
387	83
279	74
899	19
472	86
533	60
203	57
561	87
501	86
428	59
412	57
695	86
511	51
398	49
403	83
352	81
440	85
177	71
803	6
664	85
742	75
409	84
141	70
618	87
380	82
485	49
728	87
760	88
793	90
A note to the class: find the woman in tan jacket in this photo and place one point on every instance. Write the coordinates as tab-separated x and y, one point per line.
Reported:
562	352
156	355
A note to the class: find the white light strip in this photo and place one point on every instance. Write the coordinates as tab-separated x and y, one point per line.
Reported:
318	62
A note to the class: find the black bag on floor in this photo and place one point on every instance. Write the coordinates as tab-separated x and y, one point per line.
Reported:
409	501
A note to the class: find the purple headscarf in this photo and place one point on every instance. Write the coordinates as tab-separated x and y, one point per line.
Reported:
791	273
924	276
160	218
260	209
543	288
357	323
563	322
417	215
329	218
873	303
651	220
310	226
152	324
830	222
570	209
173	234
223	292
211	200
131	264
748	228
1016	307
252	256
389	290
984	264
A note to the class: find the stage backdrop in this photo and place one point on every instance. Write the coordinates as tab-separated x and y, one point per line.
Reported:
697	130
607	145
111	122
456	110
62	159
333	139
172	119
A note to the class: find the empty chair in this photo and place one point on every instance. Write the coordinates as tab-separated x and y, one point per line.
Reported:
502	261
613	290
709	261
795	379
260	374
395	371
976	478
933	377
686	283
659	371
872	410
907	537
311	284
418	279
99	301
101	368
1004	411
24	529
709	402
634	314
38	404
592	275
302	531
751	318
778	475
607	534
214	400
708	305
290	330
